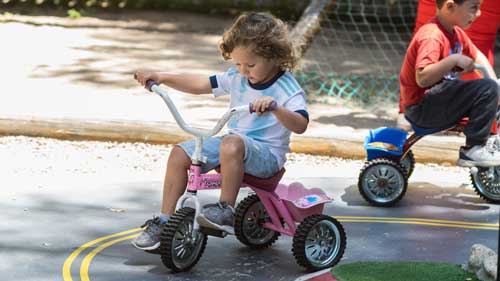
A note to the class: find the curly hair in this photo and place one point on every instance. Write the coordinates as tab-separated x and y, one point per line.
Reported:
266	35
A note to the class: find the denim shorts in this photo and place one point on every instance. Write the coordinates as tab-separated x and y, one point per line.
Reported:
258	160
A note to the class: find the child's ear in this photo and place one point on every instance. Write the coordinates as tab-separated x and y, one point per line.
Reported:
449	5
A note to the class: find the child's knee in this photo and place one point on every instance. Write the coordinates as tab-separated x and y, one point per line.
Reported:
178	155
492	87
232	145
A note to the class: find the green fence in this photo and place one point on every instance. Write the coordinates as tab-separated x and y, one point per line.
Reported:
356	56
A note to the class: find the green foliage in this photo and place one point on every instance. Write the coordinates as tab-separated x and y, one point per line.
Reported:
74	14
286	9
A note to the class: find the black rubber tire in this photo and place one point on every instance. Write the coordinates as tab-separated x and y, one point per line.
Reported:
176	224
244	220
481	182
301	238
408	162
397	194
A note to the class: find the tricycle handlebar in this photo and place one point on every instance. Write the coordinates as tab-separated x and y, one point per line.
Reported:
154	87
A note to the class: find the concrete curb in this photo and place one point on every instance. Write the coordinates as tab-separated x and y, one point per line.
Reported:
168	133
322	275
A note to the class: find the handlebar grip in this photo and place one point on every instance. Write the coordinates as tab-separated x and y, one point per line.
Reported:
150	84
272	106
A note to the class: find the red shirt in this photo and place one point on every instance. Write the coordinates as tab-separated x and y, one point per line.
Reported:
429	45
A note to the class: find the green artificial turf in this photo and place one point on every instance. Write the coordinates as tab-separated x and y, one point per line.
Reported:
401	271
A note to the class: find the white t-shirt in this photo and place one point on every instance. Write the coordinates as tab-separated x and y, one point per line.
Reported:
266	128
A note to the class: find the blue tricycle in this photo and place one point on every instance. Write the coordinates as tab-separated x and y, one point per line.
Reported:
383	180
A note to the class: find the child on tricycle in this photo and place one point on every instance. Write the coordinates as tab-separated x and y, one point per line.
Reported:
435	99
252	154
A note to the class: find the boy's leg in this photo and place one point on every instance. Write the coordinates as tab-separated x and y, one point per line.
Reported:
221	214
175	181
173	187
449	101
446	103
232	153
239	155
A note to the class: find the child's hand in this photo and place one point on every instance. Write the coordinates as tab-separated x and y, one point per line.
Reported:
261	104
464	63
143	76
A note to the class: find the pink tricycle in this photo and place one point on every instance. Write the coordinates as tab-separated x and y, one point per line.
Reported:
272	209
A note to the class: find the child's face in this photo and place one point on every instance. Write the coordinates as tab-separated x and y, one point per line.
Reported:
464	14
255	68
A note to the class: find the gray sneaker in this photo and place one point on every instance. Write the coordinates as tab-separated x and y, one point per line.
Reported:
219	216
150	237
479	156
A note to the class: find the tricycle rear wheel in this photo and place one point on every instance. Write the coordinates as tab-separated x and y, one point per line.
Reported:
249	218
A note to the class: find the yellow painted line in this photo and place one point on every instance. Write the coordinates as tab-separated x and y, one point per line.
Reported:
84	270
66	272
422	223
356	219
420	219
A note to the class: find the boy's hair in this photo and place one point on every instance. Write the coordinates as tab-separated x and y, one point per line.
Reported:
440	3
266	35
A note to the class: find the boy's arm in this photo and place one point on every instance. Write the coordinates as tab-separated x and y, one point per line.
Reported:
483	60
433	73
188	83
293	121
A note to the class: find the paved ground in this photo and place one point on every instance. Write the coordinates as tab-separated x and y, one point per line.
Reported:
58	196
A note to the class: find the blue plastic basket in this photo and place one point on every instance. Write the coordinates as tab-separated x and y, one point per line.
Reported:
385	142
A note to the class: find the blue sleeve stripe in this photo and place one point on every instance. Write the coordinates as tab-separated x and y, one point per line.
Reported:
303	113
284	88
213	82
292	81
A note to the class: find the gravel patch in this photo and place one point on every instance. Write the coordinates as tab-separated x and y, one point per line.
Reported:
27	156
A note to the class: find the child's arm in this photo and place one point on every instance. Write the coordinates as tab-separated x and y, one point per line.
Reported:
293	121
434	73
188	83
482	60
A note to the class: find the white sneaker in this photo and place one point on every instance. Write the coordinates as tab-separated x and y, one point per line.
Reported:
479	155
402	123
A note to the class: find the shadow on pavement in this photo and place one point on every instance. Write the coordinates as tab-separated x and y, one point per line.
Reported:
426	194
355	121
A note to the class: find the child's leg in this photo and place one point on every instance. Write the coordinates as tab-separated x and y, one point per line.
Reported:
173	187
221	214
238	155
232	152
175	181
448	102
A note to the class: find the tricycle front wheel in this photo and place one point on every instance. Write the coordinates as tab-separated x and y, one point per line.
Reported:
319	242
180	250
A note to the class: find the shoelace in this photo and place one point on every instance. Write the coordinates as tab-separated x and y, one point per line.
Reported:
152	224
491	146
221	205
